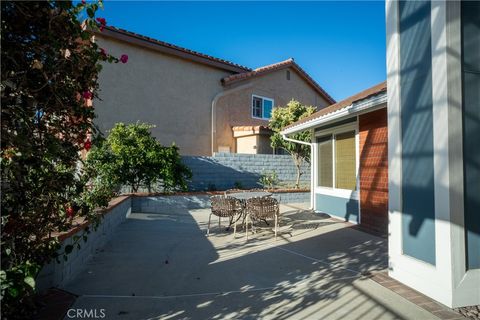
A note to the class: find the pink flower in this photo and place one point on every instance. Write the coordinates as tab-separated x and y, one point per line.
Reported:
103	52
87	145
83	1
87	95
70	212
124	58
102	21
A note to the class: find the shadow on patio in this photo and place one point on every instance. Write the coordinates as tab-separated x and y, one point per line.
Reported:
162	266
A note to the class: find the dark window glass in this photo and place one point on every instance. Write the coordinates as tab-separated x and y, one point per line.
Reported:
257	107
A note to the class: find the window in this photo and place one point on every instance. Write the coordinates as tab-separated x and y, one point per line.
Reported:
345	177
261	107
337	161
288	75
325	160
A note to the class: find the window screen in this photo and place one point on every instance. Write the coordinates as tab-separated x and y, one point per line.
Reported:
325	162
345	160
257	107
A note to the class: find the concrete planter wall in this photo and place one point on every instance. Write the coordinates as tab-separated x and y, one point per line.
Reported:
58	274
156	203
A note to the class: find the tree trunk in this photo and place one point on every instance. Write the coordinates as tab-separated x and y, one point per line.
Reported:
298	165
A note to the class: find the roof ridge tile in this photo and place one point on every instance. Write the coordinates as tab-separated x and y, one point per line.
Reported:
175	47
276	66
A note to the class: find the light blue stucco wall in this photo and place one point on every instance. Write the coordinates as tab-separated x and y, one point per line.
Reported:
342	208
471	128
418	198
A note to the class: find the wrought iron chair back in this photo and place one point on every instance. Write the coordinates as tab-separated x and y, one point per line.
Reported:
225	207
261	209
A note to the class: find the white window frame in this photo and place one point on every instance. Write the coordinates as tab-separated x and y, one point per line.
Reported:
333	191
263	98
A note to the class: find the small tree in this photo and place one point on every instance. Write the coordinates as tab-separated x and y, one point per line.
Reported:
131	156
282	117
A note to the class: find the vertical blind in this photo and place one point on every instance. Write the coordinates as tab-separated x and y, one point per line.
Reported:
344	161
325	161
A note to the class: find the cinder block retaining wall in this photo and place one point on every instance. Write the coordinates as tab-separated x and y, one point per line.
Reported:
223	170
59	274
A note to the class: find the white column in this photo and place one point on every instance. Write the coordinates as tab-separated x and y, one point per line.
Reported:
447	281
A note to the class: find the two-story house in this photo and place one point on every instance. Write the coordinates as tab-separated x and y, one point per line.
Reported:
202	103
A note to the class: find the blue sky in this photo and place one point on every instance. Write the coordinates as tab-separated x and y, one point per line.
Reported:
340	44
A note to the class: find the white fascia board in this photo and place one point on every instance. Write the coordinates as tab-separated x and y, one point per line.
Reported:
353	109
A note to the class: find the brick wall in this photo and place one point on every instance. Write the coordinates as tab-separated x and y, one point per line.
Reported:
374	171
223	170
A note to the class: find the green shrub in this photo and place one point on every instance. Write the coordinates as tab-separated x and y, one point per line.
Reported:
131	156
269	179
238	185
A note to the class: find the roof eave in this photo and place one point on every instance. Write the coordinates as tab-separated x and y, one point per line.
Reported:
290	64
369	104
131	38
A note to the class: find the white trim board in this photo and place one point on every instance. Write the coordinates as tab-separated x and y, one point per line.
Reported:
263	99
366	105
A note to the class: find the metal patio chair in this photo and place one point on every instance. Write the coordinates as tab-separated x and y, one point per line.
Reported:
225	207
262	209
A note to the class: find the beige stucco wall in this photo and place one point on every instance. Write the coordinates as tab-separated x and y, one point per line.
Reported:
247	144
234	109
172	93
263	144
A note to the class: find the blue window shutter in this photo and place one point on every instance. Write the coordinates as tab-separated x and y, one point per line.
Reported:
267	108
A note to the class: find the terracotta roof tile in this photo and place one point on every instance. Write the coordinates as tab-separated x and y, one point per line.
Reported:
372	91
184	52
274	67
250	128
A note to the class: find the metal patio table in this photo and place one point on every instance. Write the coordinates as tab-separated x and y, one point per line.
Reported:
244	196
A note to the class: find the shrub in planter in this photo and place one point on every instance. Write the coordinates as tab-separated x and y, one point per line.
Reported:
269	179
131	156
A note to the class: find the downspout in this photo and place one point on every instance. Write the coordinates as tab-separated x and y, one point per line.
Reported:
214	109
312	177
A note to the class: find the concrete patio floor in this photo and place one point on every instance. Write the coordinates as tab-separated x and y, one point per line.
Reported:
160	265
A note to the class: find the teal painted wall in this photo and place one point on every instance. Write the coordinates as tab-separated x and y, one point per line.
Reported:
340	207
418	202
471	128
